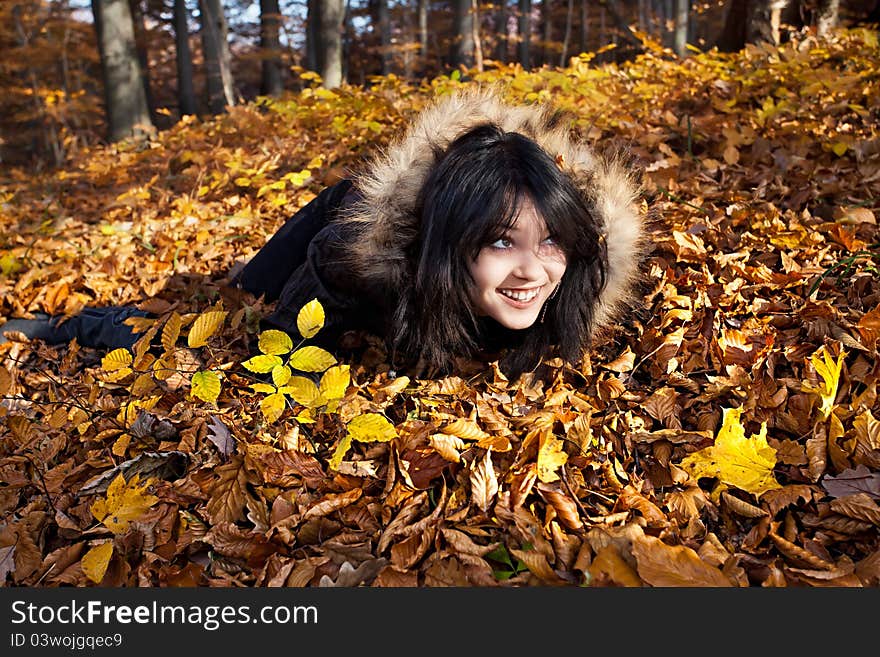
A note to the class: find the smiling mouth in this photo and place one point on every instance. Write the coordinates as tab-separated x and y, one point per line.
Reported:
520	298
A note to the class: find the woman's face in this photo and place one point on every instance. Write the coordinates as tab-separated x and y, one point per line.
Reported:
515	275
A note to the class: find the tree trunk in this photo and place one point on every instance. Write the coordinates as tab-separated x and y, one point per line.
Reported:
128	114
475	23
828	14
682	9
218	59
270	44
750	21
384	16
501	45
347	38
547	29
423	34
186	97
585	25
524	30
140	42
462	51
569	19
330	39
313	36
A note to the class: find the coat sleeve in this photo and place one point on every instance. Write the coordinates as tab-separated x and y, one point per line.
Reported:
267	273
325	275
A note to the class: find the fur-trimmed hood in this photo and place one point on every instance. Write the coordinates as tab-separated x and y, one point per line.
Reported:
389	187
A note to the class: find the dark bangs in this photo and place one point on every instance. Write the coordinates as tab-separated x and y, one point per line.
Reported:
469	199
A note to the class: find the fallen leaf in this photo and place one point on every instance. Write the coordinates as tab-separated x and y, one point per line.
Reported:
96	560
665	565
125	501
484	483
745	463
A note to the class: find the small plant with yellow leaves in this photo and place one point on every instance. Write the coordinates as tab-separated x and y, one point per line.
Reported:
279	358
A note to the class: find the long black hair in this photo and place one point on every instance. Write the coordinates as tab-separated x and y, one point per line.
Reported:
469	199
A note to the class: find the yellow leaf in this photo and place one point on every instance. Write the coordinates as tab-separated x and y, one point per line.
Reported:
304	391
550	457
170	332
280	375
116	360
310	319
745	463
206	386
829	370
264	388
340	451
124	502
9	265
95	561
334	382
839	148
120	446
275	342
262	364
204	327
273	406
312	359
372	427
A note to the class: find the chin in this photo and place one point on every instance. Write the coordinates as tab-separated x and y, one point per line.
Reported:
516	324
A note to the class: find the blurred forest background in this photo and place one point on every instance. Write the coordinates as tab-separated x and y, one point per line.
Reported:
76	73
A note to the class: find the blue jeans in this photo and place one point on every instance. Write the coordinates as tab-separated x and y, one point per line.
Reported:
98	328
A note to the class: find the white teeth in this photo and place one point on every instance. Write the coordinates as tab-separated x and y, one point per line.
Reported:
520	296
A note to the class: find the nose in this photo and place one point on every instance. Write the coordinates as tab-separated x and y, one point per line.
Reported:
528	266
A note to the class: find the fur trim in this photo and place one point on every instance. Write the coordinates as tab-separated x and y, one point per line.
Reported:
390	184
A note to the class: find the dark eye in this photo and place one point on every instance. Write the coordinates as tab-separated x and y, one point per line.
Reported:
501	243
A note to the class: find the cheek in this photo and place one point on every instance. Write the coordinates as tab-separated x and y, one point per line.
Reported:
556	268
487	272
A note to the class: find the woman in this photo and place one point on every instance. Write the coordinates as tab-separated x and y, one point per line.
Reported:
485	230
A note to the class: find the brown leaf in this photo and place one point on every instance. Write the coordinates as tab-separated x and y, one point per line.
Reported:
229	495
859	506
484	483
817	452
799	555
406	553
565	507
350	576
462	543
332	502
741	507
391	578
851	481
539	566
608	567
665	565
780	498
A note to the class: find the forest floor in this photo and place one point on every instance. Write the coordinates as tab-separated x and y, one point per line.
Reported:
724	435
